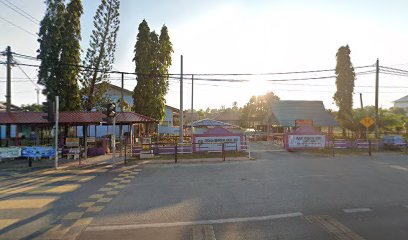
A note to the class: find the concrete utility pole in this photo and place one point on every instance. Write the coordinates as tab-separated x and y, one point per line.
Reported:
56	130
361	101
8	91
181	101
192	106
377	76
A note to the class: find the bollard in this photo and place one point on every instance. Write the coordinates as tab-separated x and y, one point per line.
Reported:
175	153
30	162
369	147
124	161
333	150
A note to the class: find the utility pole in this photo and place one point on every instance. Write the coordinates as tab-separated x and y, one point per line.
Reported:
8	93
181	101
377	76
56	130
192	106
121	109
361	101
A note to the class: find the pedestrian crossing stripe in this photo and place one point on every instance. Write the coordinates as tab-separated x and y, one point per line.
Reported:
7	222
26	203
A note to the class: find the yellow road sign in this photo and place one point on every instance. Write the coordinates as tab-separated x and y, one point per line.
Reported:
367	122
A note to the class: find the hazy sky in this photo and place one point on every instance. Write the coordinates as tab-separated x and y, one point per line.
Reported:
242	37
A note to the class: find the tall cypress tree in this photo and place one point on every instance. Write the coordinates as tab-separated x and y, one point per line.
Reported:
143	59
59	36
71	55
50	49
152	59
345	77
100	55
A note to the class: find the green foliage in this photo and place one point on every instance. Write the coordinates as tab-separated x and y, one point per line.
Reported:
152	59
390	120
31	107
258	107
59	36
100	54
345	77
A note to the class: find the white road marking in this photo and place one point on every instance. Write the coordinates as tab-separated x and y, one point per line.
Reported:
354	210
399	167
200	222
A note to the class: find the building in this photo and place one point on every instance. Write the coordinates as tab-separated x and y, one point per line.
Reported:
230	117
13	107
169	125
288	114
402	103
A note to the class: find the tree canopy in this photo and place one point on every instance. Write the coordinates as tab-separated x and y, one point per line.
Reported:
152	59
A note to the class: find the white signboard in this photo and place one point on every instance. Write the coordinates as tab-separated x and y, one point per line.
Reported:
306	141
10	152
215	143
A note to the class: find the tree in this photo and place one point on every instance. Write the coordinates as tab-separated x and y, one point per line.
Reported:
152	59
59	37
71	55
31	107
100	54
50	39
258	107
345	77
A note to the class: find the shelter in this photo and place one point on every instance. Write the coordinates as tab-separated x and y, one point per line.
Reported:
286	113
34	126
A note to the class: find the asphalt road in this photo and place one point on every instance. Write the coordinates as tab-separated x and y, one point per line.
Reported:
279	196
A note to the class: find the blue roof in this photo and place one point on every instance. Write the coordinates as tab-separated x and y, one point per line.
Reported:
285	113
209	122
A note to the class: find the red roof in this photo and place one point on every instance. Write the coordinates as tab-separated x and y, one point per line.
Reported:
74	118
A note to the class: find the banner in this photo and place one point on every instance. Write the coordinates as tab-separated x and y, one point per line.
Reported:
72	142
38	152
215	143
306	141
10	152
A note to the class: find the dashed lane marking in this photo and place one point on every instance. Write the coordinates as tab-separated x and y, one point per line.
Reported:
355	210
113	193
26	203
104	200
86	204
96	196
95	209
73	216
63	189
104	189
334	227
191	223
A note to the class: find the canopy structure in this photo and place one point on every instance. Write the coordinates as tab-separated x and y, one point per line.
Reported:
285	114
72	118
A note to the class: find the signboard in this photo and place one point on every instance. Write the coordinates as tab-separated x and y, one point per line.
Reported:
367	122
306	141
90	139
38	152
215	143
303	122
146	144
72	142
10	152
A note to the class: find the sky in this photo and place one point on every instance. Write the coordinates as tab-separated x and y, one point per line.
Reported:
258	36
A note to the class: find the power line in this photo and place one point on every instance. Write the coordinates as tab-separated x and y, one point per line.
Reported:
20	11
17	26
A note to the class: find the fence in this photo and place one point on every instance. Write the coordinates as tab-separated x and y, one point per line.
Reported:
177	149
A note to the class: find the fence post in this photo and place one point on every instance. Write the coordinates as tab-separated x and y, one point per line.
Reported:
30	162
124	161
249	150
406	146
223	152
333	146
369	147
175	153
